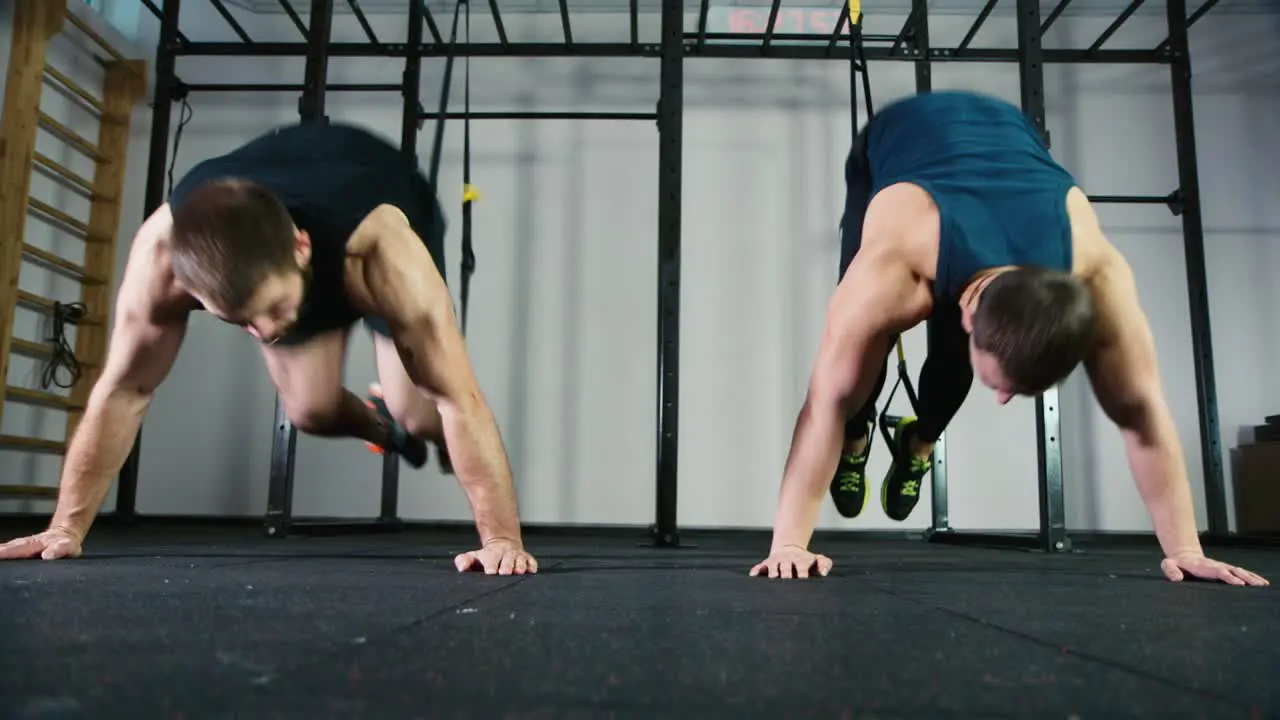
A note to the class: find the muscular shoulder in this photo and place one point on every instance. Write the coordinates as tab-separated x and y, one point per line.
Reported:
903	224
882	290
382	223
148	286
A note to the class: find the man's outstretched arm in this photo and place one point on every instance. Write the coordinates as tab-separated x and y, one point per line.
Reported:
148	330
405	288
1125	377
877	298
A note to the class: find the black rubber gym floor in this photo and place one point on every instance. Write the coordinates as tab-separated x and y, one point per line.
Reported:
172	622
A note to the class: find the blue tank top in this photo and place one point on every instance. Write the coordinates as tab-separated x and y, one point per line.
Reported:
1001	197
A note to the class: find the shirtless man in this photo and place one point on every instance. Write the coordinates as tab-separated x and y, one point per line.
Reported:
294	237
974	226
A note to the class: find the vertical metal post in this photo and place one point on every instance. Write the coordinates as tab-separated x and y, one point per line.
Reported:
670	117
154	197
1197	284
316	75
919	44
409	122
284	445
1053	523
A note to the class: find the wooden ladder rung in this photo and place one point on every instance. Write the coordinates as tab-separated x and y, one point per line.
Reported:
28	492
78	90
41	351
57	262
45	305
72	138
81	228
63	173
30	444
41	398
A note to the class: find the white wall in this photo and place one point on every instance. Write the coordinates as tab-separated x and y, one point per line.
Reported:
563	319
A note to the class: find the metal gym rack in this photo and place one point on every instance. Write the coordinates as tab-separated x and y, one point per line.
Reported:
910	44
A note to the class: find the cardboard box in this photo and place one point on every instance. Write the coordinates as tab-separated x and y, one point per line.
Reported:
1257	491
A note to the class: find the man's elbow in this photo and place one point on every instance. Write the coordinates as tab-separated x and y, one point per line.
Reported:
1143	419
114	395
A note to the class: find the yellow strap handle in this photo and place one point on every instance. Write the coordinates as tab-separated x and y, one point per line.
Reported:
902	356
855	12
470	193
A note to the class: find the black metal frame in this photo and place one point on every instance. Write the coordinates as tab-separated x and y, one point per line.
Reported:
911	44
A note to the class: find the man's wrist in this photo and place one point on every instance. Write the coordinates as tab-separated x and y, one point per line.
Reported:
66	527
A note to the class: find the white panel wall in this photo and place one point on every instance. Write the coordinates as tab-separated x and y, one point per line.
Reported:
563	320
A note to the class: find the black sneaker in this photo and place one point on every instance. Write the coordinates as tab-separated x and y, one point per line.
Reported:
413	450
901	488
849	486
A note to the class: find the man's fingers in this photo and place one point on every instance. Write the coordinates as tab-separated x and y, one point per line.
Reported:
1251	577
507	563
465	561
20	548
533	565
1226	575
1171	570
824	565
55	551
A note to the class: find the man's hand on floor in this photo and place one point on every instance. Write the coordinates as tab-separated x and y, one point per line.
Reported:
48	545
1198	566
792	562
498	557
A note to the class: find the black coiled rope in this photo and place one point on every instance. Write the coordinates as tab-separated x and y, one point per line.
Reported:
62	355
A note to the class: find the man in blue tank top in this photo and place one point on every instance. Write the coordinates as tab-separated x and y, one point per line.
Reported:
957	214
295	236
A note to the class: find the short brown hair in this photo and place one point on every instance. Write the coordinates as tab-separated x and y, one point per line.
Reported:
229	236
1038	323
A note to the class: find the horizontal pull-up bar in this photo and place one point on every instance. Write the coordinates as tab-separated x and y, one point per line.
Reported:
533	115
1173	200
289	87
1130	199
819	50
781	37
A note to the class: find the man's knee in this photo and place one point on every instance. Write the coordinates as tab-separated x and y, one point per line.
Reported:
315	414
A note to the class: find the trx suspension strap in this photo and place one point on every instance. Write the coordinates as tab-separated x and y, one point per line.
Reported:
469	192
859	58
438	141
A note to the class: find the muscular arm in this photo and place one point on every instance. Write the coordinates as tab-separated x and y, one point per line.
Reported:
144	342
874	301
405	288
1126	380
